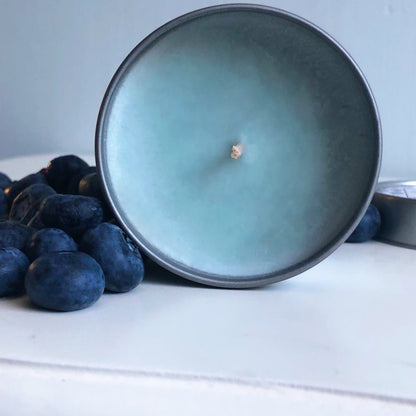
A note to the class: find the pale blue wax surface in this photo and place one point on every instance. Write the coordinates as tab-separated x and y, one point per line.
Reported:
289	97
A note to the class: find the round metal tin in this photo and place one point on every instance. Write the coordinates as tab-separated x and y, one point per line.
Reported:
396	201
339	104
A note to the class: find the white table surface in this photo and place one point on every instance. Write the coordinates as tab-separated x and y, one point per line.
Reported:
340	337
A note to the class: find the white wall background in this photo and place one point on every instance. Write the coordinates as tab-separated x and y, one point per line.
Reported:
57	57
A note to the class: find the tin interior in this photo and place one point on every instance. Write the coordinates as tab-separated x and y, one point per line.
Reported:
245	74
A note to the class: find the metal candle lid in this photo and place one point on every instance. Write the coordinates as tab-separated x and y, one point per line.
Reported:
238	145
396	201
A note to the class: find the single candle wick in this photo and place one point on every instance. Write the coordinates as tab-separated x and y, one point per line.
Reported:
237	151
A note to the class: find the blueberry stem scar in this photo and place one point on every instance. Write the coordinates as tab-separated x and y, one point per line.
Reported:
237	151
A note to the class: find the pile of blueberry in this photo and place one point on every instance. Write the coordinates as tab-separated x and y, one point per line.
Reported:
60	244
58	240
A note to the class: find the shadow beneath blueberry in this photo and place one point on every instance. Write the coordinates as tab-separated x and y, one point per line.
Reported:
22	302
26	303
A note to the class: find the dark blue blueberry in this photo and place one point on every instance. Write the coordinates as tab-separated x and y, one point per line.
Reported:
13	234
60	171
49	240
64	281
72	213
368	226
13	266
73	184
116	254
90	185
36	222
5	181
4	206
27	203
16	187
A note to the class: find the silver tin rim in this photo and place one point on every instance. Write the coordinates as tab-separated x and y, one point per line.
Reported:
218	280
382	185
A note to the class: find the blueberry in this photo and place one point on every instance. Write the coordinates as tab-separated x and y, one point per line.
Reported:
60	171
13	266
368	226
13	234
73	184
26	204
118	257
5	181
90	185
36	222
4	206
16	187
49	240
64	281
72	213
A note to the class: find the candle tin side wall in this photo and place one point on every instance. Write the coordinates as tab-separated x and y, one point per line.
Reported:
396	201
322	202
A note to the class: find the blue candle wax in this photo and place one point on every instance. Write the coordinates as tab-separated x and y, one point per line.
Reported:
302	120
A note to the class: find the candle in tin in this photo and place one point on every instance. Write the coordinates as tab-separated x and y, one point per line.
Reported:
238	145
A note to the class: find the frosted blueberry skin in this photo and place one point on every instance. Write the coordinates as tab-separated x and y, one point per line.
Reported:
15	188
64	281
13	266
62	169
5	181
49	240
13	234
90	185
73	184
72	213
27	203
368	226
119	258
4	206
